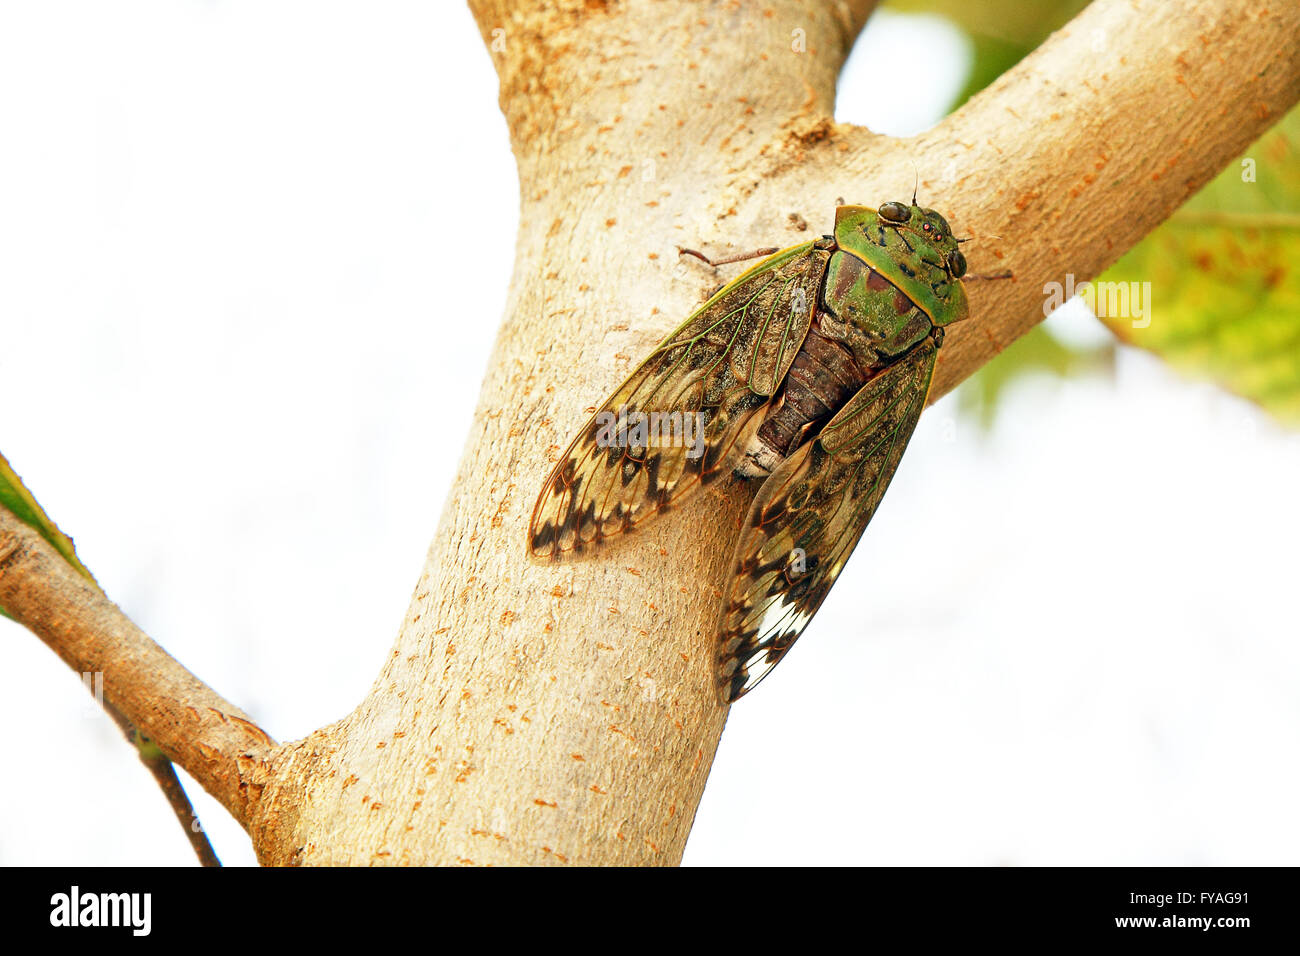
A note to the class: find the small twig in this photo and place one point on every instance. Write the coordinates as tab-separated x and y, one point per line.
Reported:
179	715
164	774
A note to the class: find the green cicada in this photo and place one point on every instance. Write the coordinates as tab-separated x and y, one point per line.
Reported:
808	372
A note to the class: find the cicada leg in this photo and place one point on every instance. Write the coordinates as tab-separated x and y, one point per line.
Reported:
727	260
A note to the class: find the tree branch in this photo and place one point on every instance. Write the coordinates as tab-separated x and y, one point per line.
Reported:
191	725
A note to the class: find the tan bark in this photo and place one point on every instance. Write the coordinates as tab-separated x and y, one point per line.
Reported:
566	713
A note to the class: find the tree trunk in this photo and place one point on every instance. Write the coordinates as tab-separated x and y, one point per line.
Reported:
537	714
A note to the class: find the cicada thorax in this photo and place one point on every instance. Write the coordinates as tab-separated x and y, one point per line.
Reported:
871	316
862	323
915	250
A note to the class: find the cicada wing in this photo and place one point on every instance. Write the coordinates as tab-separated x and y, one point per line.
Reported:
679	419
808	517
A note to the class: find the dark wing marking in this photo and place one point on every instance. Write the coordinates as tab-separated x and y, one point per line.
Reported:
703	383
809	515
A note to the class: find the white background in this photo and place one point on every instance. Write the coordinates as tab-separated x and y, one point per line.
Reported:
237	268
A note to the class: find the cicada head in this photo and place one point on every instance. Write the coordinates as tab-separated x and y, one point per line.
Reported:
913	248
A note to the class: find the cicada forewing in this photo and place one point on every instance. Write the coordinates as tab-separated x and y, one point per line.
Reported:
703	385
808	516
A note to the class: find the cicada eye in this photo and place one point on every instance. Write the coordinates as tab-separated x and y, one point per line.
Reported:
956	264
894	212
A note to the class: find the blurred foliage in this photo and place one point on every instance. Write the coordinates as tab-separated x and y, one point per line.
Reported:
1001	31
15	496
1038	352
1225	291
1225	288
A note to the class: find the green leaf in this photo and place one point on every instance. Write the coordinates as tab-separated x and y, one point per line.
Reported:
1224	286
15	496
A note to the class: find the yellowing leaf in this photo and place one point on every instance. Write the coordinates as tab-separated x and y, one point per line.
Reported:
1225	291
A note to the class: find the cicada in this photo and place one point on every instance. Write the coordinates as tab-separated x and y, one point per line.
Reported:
808	372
